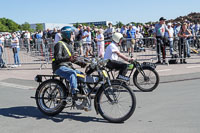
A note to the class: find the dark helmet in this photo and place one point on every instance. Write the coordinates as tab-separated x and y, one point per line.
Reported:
67	31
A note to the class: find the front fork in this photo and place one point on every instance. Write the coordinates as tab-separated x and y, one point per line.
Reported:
110	92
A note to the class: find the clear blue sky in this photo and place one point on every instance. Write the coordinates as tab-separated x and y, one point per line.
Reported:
71	11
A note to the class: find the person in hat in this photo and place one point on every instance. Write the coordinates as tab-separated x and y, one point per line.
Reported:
159	33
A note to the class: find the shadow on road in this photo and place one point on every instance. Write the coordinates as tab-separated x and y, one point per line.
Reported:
30	111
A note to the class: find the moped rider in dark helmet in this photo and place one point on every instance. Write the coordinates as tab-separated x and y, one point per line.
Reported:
64	56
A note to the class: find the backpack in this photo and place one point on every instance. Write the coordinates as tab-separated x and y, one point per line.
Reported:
174	59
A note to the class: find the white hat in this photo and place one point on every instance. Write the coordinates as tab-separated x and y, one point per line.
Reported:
169	24
117	37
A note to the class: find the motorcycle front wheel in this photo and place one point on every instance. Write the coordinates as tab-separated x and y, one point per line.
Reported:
116	103
146	83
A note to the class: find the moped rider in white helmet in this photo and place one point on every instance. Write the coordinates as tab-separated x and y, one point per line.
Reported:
113	53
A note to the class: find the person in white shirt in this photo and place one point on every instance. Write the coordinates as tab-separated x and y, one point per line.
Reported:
87	42
139	40
169	35
27	37
16	49
112	54
2	63
100	43
58	37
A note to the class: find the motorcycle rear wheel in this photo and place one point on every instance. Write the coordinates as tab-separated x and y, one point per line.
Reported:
50	97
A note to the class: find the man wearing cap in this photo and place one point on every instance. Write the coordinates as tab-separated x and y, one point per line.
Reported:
159	33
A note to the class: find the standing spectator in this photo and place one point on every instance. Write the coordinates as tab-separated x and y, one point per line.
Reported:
123	32
16	49
53	34
159	33
2	63
79	38
49	33
94	35
100	43
184	34
196	28
140	28
44	36
27	37
169	36
177	28
40	44
139	40
130	39
58	37
109	32
87	38
189	27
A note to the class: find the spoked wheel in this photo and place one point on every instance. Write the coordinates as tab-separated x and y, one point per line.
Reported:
116	103
146	83
50	97
175	46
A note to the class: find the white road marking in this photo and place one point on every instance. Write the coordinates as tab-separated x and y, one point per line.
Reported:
164	70
193	66
16	86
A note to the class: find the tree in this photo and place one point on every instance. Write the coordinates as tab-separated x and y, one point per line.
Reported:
8	25
76	25
119	24
39	27
3	28
12	25
26	26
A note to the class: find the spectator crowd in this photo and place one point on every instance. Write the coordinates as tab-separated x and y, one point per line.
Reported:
136	38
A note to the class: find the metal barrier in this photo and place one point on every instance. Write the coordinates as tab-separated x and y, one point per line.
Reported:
41	51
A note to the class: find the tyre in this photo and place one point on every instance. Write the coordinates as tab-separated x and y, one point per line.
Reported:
50	97
116	104
147	83
175	46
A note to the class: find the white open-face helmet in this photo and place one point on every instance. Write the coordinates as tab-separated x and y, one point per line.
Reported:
117	37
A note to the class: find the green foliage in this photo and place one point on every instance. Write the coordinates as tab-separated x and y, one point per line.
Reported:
3	28
136	23
39	27
25	26
119	24
7	25
76	25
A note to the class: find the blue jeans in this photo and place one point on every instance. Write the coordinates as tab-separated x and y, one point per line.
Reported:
188	47
1	60
171	47
16	57
70	75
